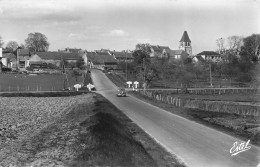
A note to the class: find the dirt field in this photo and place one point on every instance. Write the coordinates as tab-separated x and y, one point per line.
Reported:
83	130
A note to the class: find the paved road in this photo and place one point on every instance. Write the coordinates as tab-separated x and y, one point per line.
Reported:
194	144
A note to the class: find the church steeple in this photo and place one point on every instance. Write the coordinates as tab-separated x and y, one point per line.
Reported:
185	43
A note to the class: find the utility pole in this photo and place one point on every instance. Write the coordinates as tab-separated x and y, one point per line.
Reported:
126	67
210	75
144	74
17	57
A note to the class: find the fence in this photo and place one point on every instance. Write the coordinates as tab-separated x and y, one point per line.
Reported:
206	105
29	88
176	101
206	84
205	91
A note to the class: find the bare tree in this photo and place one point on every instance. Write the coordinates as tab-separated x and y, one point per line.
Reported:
37	42
12	45
221	45
234	43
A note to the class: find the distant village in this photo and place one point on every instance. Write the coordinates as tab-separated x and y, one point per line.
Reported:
103	58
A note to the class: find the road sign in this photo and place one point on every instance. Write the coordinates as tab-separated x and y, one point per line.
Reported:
129	83
77	86
136	83
90	86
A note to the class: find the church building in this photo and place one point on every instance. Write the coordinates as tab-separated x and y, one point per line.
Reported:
185	43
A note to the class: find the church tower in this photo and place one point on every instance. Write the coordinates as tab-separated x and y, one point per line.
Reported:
185	43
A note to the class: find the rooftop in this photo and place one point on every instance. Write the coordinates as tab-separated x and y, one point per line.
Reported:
100	58
58	55
185	37
209	53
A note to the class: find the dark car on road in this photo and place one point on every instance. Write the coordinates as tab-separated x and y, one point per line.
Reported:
121	92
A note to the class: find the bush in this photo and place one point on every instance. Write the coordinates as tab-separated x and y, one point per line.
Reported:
29	69
244	77
6	69
52	66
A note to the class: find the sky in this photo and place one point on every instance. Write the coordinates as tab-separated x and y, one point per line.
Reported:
121	24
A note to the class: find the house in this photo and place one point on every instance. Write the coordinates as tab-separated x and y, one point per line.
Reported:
54	58
70	50
123	56
208	56
9	60
24	52
177	55
102	60
24	55
36	61
159	51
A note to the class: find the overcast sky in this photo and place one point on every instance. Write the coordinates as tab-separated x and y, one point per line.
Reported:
121	24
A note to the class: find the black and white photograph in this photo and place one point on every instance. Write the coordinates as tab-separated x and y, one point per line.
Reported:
129	83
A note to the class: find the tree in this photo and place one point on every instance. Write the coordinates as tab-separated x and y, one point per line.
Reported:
146	69
235	43
221	45
22	46
141	56
144	47
37	42
1	42
250	51
80	63
12	45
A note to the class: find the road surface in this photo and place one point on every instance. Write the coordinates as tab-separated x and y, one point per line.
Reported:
196	145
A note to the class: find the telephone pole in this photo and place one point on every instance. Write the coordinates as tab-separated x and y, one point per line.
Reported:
17	57
126	67
210	75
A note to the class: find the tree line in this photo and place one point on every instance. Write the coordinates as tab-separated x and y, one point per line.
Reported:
240	57
35	42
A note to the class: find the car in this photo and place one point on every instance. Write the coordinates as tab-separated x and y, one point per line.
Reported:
121	92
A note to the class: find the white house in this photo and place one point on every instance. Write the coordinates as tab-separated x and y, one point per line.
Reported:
209	56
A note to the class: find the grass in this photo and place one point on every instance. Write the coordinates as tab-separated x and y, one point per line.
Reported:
37	82
116	79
